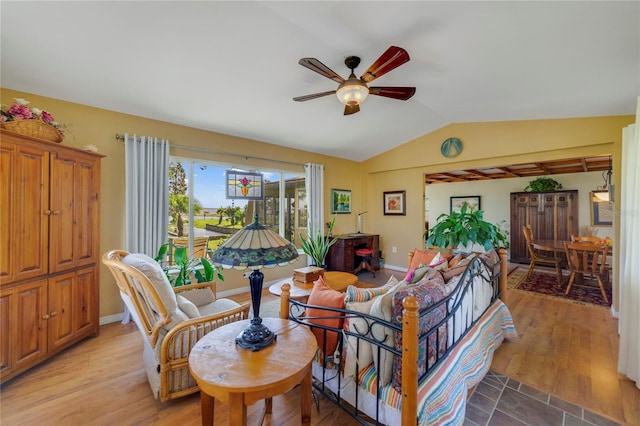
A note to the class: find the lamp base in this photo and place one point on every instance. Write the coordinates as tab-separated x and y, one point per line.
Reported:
255	337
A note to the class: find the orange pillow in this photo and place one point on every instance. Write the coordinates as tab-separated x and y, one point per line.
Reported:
323	295
421	256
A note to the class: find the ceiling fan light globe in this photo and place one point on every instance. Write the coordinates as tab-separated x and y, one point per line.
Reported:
352	92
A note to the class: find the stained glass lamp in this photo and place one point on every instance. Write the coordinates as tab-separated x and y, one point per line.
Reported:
255	247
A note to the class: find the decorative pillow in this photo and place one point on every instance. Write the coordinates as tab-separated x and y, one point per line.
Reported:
455	260
427	293
356	352
459	268
491	258
417	274
187	307
439	263
421	256
154	272
356	294
323	295
381	308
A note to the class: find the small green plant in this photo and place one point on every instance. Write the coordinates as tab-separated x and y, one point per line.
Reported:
185	268
317	246
543	184
466	227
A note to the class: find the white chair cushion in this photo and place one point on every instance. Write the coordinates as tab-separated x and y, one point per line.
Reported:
187	307
199	296
154	272
219	305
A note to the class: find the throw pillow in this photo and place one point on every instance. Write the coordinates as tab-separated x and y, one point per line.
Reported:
381	308
421	256
459	268
187	307
356	294
356	353
323	295
427	293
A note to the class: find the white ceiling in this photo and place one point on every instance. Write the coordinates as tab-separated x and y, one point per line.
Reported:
232	67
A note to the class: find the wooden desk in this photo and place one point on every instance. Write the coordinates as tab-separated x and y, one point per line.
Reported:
240	377
341	256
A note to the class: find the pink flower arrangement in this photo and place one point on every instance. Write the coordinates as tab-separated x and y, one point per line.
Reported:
21	111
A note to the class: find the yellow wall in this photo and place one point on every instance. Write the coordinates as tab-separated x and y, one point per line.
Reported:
98	127
485	144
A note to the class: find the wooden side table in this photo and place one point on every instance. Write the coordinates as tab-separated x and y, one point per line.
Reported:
240	377
334	279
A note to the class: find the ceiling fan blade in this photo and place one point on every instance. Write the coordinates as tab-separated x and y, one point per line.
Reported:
391	59
313	96
351	109
315	65
401	93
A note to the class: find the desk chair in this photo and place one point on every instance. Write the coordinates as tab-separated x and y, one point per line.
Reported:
589	260
538	259
365	254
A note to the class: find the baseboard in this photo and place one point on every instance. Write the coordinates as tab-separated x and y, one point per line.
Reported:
395	268
111	318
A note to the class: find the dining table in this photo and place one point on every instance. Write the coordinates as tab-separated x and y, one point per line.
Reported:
557	246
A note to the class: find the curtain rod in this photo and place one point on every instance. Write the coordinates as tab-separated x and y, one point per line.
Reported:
212	151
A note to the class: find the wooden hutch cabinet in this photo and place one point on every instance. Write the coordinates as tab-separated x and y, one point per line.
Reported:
49	249
552	216
342	256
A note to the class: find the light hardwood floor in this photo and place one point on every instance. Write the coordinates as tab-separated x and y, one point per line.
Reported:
564	349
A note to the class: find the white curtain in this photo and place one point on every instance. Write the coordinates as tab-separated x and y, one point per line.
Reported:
629	259
147	193
314	185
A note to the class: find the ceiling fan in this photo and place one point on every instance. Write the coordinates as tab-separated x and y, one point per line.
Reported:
353	91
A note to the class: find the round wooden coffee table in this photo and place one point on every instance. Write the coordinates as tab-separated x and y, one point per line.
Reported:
240	377
335	279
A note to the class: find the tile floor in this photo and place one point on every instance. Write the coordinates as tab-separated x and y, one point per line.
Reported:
499	400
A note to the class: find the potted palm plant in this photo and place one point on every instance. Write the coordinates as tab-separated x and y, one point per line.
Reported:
185	267
465	228
317	246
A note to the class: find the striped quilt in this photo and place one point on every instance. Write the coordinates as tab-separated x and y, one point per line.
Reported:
442	395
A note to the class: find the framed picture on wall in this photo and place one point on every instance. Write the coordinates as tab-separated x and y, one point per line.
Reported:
394	203
472	202
601	211
340	201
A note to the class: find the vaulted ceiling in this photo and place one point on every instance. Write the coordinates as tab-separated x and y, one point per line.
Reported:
232	66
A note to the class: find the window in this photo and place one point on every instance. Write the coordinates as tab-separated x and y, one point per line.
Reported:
198	205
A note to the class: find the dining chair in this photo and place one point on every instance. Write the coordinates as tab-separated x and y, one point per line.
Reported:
539	259
585	239
200	246
589	260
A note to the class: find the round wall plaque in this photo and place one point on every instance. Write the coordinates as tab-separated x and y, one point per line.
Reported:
451	147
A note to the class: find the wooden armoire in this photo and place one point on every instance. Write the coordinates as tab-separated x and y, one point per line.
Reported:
552	216
49	249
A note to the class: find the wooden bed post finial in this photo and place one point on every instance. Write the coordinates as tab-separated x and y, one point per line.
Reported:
284	300
410	361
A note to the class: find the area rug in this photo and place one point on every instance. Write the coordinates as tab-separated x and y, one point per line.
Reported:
545	283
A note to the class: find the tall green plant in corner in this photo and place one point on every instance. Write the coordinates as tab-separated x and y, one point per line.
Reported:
465	228
317	246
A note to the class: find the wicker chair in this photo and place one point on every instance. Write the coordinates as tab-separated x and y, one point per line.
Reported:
171	320
538	259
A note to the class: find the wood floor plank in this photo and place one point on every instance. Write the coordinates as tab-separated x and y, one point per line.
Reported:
101	381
